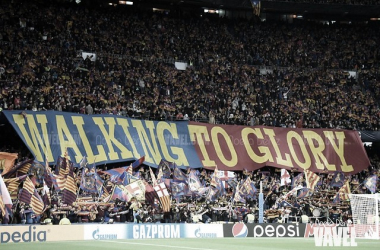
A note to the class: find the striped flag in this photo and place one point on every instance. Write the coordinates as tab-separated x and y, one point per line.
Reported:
58	182
48	174
129	170
69	192
21	168
13	185
29	195
46	196
5	201
345	191
7	161
164	196
311	179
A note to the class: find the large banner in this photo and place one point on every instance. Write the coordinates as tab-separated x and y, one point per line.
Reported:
106	139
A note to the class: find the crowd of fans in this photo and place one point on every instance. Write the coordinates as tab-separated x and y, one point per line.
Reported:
307	85
239	72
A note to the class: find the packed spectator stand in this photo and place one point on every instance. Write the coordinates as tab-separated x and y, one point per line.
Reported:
300	75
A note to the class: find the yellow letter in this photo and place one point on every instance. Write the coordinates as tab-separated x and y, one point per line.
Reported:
289	137
267	156
219	152
317	150
339	150
110	138
63	131
196	133
124	124
153	155
285	162
172	128
37	145
78	122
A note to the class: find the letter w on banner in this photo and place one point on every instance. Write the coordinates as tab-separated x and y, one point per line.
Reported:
164	196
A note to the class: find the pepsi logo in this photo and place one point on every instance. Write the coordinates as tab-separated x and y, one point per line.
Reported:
240	230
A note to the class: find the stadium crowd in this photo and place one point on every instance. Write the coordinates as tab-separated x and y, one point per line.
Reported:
239	72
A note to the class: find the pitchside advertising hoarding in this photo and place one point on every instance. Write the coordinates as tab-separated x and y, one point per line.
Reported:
240	230
40	233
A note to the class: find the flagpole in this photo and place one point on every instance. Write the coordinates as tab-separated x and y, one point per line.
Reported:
261	204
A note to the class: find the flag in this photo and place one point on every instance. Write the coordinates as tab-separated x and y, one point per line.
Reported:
297	180
213	194
150	193
248	189
336	198
163	170
83	163
285	177
178	175
225	175
21	168
69	192
153	177
371	183
237	196
311	179
179	189
37	170
116	174
303	193
337	180
129	170
48	174
7	161
126	193
46	195
29	195
345	191
13	185
58	182
88	181
5	201
138	162
163	196
194	182
214	179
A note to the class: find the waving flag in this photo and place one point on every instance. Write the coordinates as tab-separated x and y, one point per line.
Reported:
21	168
48	174
164	196
303	193
138	162
371	183
5	201
178	175
344	192
165	168
311	179
69	192
153	177
194	182
297	180
285	177
337	180
29	195
150	193
248	189
7	161
13	185
238	197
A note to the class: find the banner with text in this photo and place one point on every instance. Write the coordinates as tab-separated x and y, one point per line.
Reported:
107	138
